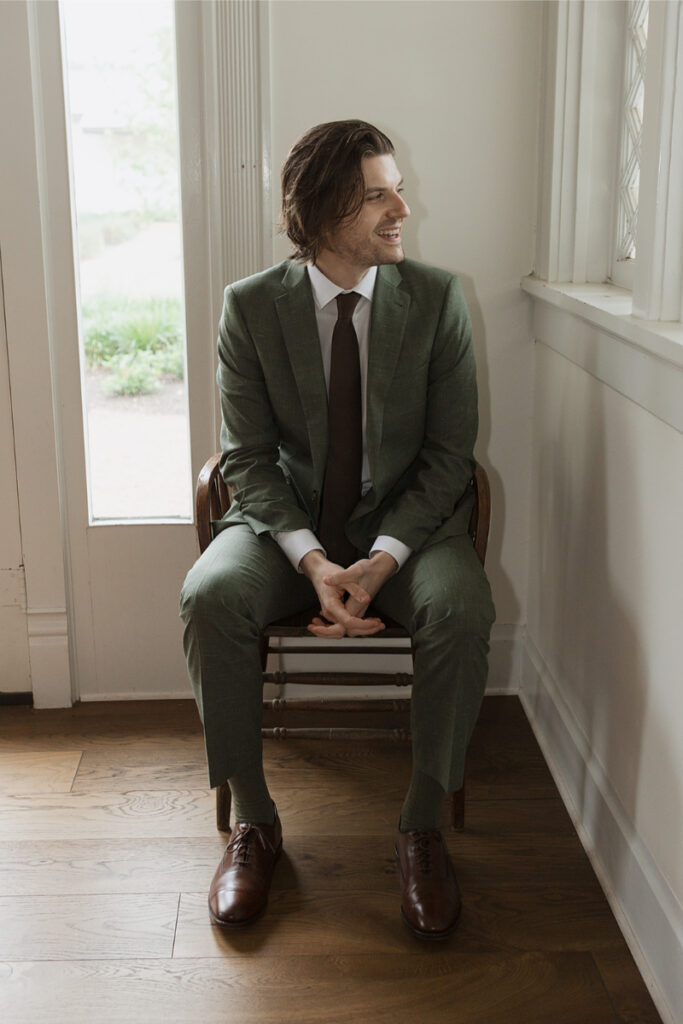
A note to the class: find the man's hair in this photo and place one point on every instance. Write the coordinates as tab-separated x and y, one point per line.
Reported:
322	181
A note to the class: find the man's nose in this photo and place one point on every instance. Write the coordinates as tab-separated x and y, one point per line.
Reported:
399	207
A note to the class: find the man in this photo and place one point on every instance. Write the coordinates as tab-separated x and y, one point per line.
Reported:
349	417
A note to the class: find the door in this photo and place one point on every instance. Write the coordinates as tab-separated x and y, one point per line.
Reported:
135	318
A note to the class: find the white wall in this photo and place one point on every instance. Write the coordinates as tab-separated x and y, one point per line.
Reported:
602	670
455	86
15	673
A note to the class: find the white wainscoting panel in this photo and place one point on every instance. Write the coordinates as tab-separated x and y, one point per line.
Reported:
646	909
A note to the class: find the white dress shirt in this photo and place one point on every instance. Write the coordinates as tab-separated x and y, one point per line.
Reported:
297	543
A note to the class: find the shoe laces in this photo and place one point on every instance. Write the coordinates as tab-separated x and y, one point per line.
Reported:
423	851
242	842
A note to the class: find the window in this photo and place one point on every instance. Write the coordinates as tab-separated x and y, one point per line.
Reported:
632	129
611	201
120	80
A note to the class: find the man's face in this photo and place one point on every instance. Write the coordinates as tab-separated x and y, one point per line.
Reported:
373	237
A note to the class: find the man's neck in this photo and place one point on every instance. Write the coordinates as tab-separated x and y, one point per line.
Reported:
338	271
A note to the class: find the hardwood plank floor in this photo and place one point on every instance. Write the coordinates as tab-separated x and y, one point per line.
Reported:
529	988
62	927
108	844
38	771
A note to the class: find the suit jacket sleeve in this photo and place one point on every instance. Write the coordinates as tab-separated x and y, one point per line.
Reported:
250	438
439	477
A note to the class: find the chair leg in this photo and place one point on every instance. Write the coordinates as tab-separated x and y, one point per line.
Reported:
458	808
223	804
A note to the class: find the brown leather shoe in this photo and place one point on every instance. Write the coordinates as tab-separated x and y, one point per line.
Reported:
430	896
239	890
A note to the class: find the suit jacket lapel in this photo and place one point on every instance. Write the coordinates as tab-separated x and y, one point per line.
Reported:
296	312
390	307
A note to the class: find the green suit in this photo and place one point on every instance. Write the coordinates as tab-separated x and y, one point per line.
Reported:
420	432
421	405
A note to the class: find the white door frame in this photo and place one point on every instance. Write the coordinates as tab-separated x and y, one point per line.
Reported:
226	234
30	346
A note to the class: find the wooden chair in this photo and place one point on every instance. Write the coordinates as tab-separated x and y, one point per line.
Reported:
212	500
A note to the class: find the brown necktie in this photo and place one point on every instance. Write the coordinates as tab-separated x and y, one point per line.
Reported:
341	488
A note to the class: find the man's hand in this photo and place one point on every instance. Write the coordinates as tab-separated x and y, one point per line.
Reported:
346	593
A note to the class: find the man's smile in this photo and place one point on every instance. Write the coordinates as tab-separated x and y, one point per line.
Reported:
390	234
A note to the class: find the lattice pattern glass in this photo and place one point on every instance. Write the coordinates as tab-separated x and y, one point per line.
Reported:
632	128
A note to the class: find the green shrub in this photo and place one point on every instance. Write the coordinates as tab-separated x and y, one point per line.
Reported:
117	327
170	361
133	373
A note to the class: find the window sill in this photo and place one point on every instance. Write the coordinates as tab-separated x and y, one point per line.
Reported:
608	308
591	325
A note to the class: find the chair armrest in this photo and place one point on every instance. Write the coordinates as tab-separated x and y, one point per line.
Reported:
480	519
212	499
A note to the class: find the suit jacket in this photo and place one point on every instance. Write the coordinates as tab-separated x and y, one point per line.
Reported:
421	405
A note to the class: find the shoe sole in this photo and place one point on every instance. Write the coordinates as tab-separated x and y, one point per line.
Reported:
417	932
247	920
429	936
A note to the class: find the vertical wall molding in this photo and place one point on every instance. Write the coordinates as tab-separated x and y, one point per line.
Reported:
239	166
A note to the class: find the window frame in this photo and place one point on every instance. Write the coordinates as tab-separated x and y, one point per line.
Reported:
622	272
584	63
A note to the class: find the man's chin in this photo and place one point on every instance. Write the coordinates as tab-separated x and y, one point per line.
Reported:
395	255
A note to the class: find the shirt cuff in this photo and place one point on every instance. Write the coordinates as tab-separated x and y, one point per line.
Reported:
297	543
396	548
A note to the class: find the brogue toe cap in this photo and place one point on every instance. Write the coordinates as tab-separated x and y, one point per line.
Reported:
235	906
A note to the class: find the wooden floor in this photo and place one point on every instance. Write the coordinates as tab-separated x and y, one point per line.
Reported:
108	845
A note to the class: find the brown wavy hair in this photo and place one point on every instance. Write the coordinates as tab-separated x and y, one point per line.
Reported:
322	181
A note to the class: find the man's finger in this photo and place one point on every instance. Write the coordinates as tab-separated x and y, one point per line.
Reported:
344	576
355	608
361	625
351	626
336	631
333	609
350	587
318	628
371	632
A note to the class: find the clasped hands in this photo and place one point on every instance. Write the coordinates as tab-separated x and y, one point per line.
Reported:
345	594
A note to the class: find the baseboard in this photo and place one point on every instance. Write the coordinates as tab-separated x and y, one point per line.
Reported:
48	647
20	698
95	698
646	909
505	659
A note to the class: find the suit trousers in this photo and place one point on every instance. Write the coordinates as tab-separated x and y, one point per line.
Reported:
243	581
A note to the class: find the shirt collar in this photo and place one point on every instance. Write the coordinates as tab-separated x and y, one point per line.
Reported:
324	290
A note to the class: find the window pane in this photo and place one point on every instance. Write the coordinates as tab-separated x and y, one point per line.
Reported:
632	128
122	107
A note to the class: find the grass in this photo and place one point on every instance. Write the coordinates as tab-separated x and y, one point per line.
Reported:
138	340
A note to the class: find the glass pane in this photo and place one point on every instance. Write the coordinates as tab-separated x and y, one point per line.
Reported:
632	128
121	103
